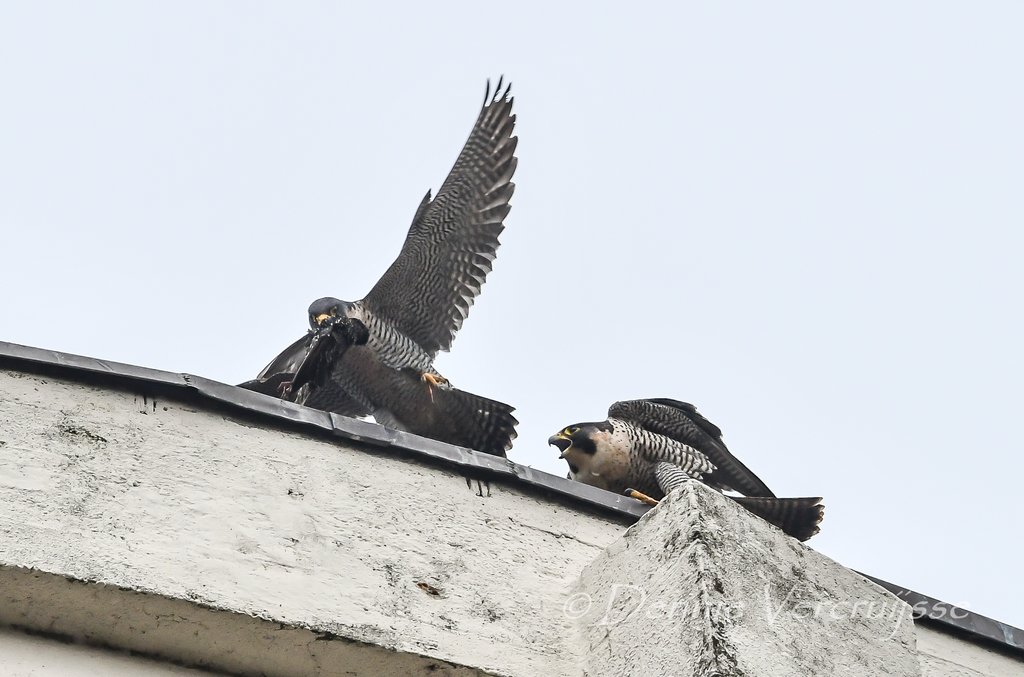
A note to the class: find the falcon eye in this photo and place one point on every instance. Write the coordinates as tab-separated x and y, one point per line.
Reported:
571	431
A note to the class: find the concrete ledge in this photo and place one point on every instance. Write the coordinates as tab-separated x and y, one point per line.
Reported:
152	383
210	526
698	587
192	635
201	508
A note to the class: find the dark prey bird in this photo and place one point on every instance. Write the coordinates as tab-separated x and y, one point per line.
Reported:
646	448
415	309
338	360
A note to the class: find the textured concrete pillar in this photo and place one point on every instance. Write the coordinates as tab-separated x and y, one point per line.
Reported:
698	587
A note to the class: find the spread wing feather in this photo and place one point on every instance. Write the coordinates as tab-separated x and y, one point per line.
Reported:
453	240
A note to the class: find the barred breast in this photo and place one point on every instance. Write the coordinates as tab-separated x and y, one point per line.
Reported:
396	350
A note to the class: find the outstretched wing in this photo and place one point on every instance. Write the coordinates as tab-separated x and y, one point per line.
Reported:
453	240
681	422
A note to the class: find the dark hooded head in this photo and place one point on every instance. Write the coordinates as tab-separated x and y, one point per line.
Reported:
325	308
576	442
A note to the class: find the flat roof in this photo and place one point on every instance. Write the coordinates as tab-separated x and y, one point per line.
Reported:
484	466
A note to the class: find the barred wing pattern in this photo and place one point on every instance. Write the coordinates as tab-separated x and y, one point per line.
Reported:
427	292
680	421
652	447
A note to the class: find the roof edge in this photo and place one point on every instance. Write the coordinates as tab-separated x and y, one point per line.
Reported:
931	611
88	369
76	367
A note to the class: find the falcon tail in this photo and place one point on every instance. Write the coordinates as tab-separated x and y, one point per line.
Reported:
798	517
473	421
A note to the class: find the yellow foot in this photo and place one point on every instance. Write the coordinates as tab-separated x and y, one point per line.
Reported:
433	380
633	493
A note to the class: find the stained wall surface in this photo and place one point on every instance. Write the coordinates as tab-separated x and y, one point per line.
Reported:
190	534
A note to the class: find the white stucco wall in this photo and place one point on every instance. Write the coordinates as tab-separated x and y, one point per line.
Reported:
946	655
108	486
191	533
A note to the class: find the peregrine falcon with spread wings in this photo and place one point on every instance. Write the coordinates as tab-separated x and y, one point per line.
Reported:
338	361
647	448
415	309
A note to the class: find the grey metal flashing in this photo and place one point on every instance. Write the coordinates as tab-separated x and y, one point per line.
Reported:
256	403
473	463
951	617
53	360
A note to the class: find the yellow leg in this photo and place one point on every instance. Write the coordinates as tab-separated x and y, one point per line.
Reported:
433	380
633	493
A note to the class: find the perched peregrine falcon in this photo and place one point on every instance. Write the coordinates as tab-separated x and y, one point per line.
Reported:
339	362
419	304
646	448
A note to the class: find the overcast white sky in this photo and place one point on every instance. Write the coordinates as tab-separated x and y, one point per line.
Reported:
805	218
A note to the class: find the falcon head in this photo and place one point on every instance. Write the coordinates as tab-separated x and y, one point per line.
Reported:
578	443
325	308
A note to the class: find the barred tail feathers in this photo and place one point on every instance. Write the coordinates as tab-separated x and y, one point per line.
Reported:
475	422
798	517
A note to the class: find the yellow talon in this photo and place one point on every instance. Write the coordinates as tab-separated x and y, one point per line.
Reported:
633	493
434	380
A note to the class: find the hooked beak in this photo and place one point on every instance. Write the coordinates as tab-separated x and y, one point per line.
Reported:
319	319
562	442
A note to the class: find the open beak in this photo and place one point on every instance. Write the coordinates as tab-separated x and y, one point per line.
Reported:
562	442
